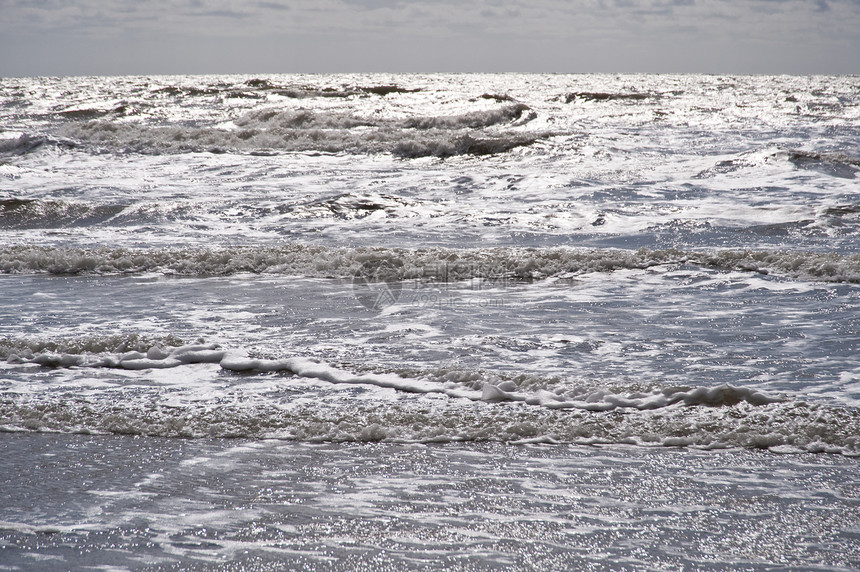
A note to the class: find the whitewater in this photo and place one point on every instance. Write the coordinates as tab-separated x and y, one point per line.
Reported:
459	322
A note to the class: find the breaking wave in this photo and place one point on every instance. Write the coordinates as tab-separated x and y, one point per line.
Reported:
118	343
28	143
33	213
479	407
157	356
785	428
21	145
333	132
89	113
833	164
474	120
448	264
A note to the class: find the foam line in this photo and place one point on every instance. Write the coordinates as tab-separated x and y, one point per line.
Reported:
307	368
443	264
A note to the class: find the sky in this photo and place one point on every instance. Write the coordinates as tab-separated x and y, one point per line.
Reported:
124	37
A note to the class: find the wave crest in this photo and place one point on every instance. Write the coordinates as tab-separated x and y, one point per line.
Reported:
33	213
22	144
707	418
28	348
334	132
458	264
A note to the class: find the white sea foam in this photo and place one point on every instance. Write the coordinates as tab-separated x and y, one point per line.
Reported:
440	264
156	357
90	353
307	368
716	417
309	400
28	347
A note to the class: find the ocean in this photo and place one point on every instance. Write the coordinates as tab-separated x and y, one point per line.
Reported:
431	321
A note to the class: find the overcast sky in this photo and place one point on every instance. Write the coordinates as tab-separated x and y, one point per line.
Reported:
107	37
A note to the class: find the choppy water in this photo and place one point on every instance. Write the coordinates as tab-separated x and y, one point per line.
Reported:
606	266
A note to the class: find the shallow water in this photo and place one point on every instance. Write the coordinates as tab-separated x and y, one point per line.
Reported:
263	505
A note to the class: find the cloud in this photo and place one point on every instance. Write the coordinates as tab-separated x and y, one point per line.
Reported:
272	6
493	35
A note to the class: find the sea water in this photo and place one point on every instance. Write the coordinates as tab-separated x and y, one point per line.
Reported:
344	322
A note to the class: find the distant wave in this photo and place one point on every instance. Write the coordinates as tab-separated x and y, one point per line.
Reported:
88	113
601	96
29	143
334	132
474	120
834	164
21	145
32	213
450	264
259	87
